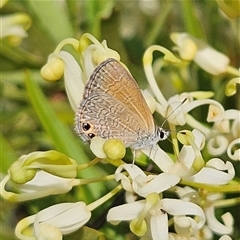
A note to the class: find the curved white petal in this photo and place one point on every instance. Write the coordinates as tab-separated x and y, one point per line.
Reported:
159	184
210	60
213	197
217	145
186	193
217	163
88	64
225	237
213	174
233	150
49	232
232	114
215	112
72	78
140	181
130	197
222	126
162	160
96	146
187	154
219	110
44	184
125	212
178	207
214	224
183	225
68	217
159	226
133	172
43	181
150	100
125	181
206	233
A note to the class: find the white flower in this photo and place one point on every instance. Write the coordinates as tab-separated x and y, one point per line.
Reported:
216	172
94	54
39	174
176	109
202	54
183	227
14	26
43	184
76	74
225	135
209	205
152	215
60	219
138	182
213	173
64	63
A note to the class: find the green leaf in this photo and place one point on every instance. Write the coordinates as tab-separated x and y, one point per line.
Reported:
191	20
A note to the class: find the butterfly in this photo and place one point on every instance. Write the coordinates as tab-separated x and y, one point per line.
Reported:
113	107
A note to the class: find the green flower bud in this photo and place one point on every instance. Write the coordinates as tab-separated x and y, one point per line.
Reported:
114	149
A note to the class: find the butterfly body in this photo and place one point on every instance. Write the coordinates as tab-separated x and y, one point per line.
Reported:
114	107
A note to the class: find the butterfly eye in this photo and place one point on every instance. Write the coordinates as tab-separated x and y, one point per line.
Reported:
86	126
162	135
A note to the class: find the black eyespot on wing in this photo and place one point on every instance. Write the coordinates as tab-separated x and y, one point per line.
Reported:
86	126
91	135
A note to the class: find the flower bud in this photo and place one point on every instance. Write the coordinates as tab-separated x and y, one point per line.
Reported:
53	70
114	149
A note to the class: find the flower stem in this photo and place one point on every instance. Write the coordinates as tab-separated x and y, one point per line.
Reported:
89	164
103	199
97	179
229	188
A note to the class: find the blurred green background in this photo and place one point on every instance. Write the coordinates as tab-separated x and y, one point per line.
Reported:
36	115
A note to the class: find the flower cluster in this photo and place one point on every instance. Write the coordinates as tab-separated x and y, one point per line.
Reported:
175	199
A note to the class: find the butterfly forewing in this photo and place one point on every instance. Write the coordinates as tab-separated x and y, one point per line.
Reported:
112	78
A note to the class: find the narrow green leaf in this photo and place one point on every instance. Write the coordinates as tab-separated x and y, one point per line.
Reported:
191	20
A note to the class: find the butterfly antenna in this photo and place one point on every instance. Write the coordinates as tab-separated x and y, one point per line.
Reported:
183	101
